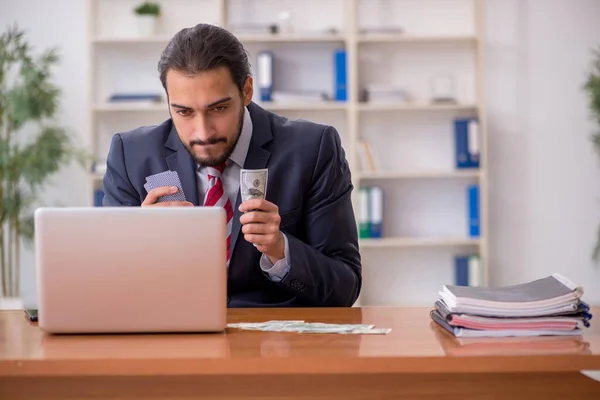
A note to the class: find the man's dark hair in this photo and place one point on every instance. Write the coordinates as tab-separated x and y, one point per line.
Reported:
202	48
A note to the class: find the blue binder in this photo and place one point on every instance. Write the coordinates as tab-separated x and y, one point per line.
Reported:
98	196
341	79
364	222
265	75
376	211
461	270
465	155
473	212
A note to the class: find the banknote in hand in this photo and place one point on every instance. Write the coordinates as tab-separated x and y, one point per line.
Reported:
253	183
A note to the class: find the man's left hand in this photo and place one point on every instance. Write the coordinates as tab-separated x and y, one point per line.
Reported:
260	225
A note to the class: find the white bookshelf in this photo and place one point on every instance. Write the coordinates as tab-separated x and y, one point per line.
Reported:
414	106
289	38
273	106
115	107
419	242
304	106
373	175
402	38
246	38
424	195
108	40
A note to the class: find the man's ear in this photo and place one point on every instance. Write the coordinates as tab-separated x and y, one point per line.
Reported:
248	90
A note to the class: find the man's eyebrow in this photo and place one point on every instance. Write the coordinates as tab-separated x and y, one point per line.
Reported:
216	103
178	106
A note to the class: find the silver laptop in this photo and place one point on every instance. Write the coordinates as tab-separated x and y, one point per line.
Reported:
131	269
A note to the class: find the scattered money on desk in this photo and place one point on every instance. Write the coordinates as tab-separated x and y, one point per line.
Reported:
300	326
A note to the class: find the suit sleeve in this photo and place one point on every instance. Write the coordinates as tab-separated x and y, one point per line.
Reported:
325	267
118	190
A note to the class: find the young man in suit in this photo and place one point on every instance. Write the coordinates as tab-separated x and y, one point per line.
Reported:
296	248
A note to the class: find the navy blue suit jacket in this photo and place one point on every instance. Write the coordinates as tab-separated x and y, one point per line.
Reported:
309	181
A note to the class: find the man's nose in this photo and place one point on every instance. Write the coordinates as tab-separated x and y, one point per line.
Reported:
201	129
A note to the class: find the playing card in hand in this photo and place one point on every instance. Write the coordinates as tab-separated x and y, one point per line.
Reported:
167	178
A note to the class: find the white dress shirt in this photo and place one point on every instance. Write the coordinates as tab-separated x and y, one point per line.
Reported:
231	182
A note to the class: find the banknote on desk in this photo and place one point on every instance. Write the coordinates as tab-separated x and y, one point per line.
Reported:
300	326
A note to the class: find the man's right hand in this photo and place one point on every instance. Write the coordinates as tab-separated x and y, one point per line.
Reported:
156	193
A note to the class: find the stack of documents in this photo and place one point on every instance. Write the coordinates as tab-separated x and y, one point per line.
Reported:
547	306
502	346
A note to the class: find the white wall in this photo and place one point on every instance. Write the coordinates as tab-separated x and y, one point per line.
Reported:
544	175
63	24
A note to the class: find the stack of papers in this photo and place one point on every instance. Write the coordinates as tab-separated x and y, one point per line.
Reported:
547	306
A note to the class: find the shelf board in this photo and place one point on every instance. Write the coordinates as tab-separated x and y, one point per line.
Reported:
282	106
297	38
471	173
418	242
243	37
290	38
382	106
403	38
304	105
164	40
127	107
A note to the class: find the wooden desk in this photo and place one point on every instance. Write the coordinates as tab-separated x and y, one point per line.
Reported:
417	360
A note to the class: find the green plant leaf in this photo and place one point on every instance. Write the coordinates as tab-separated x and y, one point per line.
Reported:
16	202
28	97
27	225
33	97
148	8
44	155
592	89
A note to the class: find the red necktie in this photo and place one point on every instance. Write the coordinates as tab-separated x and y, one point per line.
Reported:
216	196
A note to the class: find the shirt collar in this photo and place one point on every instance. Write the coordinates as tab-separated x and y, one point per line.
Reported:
241	148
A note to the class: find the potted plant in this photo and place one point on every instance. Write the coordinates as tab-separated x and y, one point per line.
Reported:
32	146
147	15
592	88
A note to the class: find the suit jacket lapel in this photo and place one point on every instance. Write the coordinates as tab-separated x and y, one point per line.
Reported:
179	159
257	158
